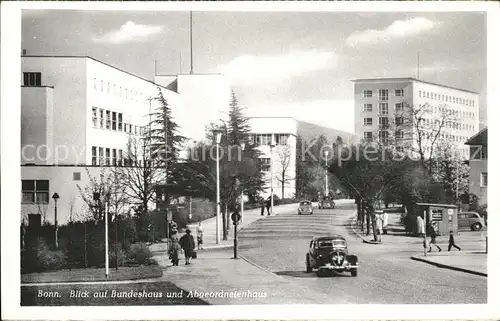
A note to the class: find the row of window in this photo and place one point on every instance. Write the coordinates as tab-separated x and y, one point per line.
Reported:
399	121
106	156
110	120
446	98
449	111
399	134
382	121
383	94
33	79
266	139
119	91
265	164
383	135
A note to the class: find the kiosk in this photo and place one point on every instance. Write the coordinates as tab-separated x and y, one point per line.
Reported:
443	217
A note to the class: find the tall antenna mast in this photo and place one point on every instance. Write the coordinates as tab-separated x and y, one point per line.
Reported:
191	38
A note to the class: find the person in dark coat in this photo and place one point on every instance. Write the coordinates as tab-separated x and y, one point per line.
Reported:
187	244
262	207
268	205
433	239
451	242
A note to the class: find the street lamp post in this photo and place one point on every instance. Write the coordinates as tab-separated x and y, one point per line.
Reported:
55	197
271	146
326	173
106	245
236	217
217	135
242	201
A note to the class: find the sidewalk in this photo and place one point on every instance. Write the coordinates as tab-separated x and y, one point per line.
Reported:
472	259
463	261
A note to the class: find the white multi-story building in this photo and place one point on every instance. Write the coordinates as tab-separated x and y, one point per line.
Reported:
381	103
280	161
77	113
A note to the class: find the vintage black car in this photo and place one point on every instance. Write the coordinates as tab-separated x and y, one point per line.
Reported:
326	202
329	254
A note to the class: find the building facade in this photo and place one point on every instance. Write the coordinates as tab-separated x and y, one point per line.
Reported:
280	161
77	112
398	110
478	165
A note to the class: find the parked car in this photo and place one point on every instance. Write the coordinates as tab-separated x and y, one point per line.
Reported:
326	202
470	220
329	253
305	207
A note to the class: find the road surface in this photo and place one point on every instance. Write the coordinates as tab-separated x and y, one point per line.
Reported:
386	274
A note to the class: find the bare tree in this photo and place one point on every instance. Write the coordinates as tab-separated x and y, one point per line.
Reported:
283	172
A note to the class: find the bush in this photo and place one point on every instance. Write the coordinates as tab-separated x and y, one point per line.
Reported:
37	257
139	253
121	257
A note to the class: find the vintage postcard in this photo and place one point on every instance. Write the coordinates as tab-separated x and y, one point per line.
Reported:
260	157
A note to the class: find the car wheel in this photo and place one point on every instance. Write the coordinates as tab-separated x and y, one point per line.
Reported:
308	265
476	226
354	272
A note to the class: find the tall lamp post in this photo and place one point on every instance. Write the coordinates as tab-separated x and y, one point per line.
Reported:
271	146
242	145
217	134
55	197
326	172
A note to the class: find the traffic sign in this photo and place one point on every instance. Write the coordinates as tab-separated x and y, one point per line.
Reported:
236	217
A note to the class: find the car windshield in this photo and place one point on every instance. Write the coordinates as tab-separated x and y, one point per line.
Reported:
326	198
332	243
305	203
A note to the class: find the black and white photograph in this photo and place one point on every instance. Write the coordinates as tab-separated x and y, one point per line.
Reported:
196	157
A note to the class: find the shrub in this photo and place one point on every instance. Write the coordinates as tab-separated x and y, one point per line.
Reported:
39	258
121	256
139	253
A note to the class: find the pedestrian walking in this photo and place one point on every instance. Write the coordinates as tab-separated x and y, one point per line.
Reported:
268	205
433	235
451	242
187	244
385	222
199	236
175	252
262	207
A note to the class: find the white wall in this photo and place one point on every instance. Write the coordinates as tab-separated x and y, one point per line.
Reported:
37	117
67	76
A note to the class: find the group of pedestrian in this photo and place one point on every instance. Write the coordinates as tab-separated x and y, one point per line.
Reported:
433	235
186	244
265	205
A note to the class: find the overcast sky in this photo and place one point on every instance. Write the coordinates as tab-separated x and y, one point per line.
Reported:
292	64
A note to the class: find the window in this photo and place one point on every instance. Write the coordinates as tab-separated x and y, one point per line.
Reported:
368	136
419	93
120	122
265	164
399	107
102	85
32	79
101	118
383	108
114	157
136	130
383	136
35	191
125	128
484	179
120	157
282	139
121	91
94	117
126	93
399	92
108	156
77	176
101	156
109	87
367	93
383	94
265	139
94	155
399	134
368	121
130	128
368	108
108	119
95	83
113	120
383	122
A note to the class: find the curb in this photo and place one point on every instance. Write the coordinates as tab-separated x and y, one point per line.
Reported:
260	267
359	235
449	267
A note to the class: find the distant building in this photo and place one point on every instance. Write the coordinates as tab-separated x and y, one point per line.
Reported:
381	105
478	165
283	132
76	112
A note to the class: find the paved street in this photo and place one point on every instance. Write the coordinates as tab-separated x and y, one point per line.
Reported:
386	274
